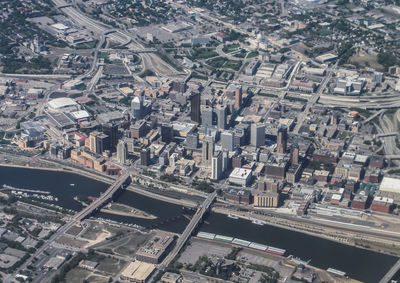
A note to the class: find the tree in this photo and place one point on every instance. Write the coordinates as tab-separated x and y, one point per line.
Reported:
387	59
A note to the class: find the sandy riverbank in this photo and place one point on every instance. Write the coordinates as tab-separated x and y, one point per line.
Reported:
125	210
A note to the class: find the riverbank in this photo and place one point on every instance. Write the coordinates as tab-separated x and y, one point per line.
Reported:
66	169
141	191
325	231
101	177
334	234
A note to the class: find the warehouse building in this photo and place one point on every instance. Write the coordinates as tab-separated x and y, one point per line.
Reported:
390	187
137	272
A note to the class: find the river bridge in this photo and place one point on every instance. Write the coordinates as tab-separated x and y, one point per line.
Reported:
85	212
388	276
197	217
103	199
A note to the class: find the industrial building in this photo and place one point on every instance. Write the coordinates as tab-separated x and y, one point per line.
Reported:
154	250
390	187
137	272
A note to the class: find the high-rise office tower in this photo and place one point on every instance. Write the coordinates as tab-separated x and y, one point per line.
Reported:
237	162
195	107
295	154
206	116
242	134
282	139
163	159
335	118
167	133
111	131
122	152
238	97
257	135
216	166
207	150
221	116
137	107
192	141
98	142
145	157
226	164
227	140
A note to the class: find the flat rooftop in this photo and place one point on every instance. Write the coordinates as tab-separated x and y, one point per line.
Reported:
138	271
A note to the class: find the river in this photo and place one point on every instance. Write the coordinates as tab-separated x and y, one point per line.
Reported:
364	265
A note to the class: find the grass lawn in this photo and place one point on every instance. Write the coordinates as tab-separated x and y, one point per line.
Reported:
344	135
77	275
217	62
97	279
296	99
111	266
234	65
252	54
86	45
9	136
366	60
229	48
132	244
267	94
202	53
241	54
120	207
92	233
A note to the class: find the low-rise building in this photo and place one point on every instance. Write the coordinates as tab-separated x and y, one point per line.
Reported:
240	196
240	176
154	250
137	272
382	204
266	199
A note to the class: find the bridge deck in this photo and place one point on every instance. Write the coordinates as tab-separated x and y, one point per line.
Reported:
388	276
188	230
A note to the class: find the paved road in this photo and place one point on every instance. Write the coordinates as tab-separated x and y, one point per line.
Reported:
33	76
388	276
313	100
150	61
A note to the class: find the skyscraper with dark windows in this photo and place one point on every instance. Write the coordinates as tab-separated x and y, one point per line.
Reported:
282	139
167	133
195	107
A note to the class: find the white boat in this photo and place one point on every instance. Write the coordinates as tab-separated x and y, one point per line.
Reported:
233	216
72	185
258	222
